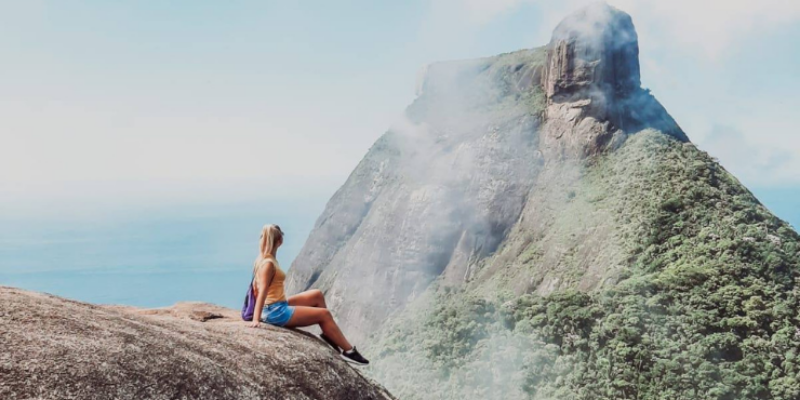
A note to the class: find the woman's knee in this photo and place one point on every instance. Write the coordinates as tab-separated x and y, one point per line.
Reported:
326	315
318	298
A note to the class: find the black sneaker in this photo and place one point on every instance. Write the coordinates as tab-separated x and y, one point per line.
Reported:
354	356
330	342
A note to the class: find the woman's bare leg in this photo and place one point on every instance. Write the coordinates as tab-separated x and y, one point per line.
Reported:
309	298
306	316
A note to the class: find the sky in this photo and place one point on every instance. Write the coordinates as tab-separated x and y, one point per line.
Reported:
132	104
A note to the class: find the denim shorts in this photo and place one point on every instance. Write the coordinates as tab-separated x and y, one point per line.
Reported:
277	314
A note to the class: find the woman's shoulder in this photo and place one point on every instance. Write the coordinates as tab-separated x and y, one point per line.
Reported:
266	263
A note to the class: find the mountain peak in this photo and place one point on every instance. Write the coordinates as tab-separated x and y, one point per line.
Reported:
595	47
592	74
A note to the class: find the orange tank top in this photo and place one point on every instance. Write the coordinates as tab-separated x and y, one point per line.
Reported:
275	292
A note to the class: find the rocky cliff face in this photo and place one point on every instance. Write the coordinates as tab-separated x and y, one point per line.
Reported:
593	86
434	195
53	348
488	152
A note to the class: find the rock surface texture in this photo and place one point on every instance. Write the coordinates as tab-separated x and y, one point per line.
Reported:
53	348
593	86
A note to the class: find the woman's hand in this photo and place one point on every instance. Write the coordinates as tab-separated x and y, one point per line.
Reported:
255	323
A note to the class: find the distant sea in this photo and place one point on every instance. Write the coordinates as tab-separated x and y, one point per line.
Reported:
156	256
149	257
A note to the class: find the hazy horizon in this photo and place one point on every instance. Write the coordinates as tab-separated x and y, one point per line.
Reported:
152	257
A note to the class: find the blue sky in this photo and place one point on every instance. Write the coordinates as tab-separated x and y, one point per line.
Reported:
108	104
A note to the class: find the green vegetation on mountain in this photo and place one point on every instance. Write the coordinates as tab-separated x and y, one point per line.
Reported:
541	228
705	307
503	85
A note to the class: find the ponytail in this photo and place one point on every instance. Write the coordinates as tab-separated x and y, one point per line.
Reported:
271	237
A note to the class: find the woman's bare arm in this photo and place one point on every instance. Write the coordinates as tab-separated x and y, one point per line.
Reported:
264	277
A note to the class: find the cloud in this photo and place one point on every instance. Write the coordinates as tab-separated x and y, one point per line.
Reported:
683	37
707	27
756	163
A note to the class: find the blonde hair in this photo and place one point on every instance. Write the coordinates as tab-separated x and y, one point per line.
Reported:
271	237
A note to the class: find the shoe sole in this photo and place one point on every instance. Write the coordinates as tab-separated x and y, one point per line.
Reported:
351	361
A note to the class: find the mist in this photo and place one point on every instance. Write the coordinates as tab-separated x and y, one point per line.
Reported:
503	192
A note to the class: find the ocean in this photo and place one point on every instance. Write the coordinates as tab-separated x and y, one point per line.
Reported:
150	257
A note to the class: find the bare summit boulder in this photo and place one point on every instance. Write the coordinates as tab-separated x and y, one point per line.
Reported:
54	348
593	85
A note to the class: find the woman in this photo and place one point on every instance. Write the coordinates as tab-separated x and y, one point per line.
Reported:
304	309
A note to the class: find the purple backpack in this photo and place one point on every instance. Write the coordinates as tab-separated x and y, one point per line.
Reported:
249	307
